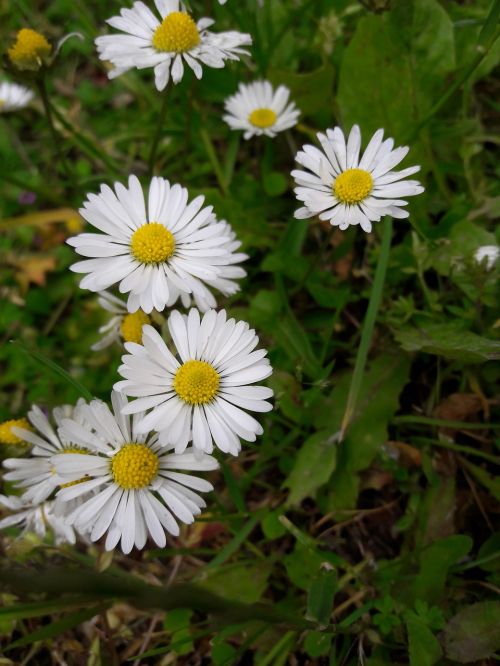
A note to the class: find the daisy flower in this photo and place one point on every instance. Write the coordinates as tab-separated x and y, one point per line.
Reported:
487	255
156	251
199	393
123	325
259	109
30	51
166	43
36	518
138	488
36	474
14	97
346	190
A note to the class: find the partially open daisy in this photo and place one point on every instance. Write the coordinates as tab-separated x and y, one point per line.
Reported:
8	437
36	474
157	252
487	256
259	109
30	51
346	190
139	486
36	518
14	97
198	394
166	43
123	325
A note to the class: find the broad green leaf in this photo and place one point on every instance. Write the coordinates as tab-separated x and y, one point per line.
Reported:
320	596
423	646
223	654
311	92
472	634
178	623
238	582
408	52
317	643
460	243
435	562
379	400
449	341
313	467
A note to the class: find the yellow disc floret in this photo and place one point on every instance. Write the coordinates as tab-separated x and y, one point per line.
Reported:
152	243
196	382
30	50
177	33
131	326
262	118
353	185
134	466
6	434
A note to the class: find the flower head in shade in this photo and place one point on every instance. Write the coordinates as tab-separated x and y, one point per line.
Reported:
123	325
30	51
201	392
155	251
36	474
346	189
259	109
139	487
14	97
167	42
487	256
7	436
37	518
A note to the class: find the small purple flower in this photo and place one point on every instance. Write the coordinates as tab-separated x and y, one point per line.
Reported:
27	198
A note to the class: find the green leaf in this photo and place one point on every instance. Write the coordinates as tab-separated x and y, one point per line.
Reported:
223	654
435	562
320	596
449	341
39	608
312	92
275	183
408	52
378	401
472	634
232	546
423	646
238	582
56	628
178	624
317	643
313	467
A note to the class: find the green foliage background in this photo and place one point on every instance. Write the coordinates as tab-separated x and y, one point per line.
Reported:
383	550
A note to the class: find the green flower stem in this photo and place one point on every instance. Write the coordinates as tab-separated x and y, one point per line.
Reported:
214	160
42	89
368	325
157	134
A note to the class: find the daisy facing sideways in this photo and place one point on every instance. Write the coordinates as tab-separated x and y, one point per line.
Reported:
36	474
37	518
167	42
201	392
140	488
156	249
123	325
14	97
259	109
345	189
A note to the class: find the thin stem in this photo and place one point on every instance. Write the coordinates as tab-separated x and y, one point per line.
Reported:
42	89
214	160
157	134
368	326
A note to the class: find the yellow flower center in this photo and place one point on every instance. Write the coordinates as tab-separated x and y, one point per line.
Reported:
196	382
131	326
73	449
177	33
134	466
30	50
6	434
352	186
152	243
262	118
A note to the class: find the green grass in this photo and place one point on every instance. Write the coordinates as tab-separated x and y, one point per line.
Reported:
378	545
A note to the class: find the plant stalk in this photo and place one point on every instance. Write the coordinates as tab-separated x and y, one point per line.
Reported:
368	326
42	89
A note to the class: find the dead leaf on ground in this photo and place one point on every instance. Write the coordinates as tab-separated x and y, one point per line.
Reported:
33	269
